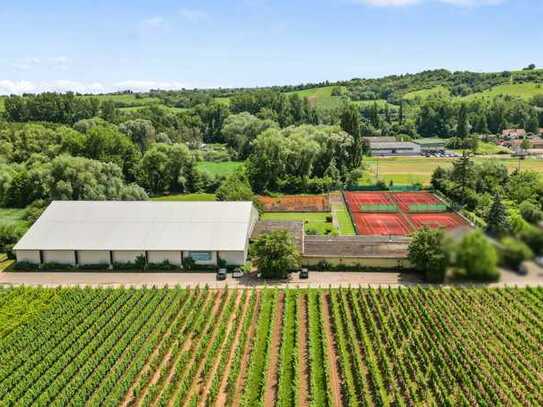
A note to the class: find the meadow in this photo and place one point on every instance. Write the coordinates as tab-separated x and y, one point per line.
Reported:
224	168
410	170
313	221
283	347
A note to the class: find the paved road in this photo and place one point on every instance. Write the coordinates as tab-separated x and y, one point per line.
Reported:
317	279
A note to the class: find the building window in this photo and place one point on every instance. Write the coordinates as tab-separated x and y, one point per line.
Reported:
200	256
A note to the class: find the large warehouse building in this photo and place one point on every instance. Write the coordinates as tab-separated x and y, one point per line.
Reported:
107	232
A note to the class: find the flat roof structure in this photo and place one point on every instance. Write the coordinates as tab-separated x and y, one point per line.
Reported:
141	225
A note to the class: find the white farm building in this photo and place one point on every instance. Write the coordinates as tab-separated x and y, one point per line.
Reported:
107	232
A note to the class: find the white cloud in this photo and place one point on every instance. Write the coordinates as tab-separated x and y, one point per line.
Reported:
61	63
193	15
154	24
461	3
9	87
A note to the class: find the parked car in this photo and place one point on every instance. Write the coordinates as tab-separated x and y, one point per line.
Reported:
237	273
539	261
221	274
304	273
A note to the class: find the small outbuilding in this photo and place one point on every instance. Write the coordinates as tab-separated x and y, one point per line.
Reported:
107	232
396	148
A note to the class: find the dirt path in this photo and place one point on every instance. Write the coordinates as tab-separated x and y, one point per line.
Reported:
270	392
246	355
206	381
303	374
335	380
221	397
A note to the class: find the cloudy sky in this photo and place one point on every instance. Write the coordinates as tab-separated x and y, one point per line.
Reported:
103	45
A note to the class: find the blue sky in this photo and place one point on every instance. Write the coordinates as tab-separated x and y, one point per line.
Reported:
98	45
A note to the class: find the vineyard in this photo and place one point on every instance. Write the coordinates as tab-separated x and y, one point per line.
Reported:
306	347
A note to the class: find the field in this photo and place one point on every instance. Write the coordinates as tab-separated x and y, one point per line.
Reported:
410	170
12	216
220	168
313	221
321	97
268	347
523	90
425	93
295	203
398	213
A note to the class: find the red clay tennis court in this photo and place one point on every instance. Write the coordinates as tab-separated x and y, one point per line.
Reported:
406	199
449	220
355	200
381	224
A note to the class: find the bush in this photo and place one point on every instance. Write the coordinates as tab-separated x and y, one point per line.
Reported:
9	236
276	254
96	266
126	266
514	252
329	219
429	254
164	265
477	258
56	266
25	265
533	237
530	212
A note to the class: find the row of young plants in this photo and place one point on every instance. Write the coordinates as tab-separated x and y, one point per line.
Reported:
205	347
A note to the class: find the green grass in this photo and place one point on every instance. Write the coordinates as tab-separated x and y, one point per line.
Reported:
185	197
346	227
13	216
319	97
312	220
491	148
523	90
425	93
409	170
220	168
381	103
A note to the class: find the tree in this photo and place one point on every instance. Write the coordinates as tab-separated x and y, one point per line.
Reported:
513	252
477	258
142	132
350	123
496	221
531	212
235	187
9	236
429	254
241	129
276	254
462	128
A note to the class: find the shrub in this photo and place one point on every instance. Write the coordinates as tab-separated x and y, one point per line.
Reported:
533	237
25	265
9	235
56	266
189	263
164	265
514	252
95	266
126	266
530	212
429	254
329	219
477	258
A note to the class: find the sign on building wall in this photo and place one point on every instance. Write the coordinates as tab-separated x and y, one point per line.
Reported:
200	256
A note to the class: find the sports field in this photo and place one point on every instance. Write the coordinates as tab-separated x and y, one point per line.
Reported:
295	203
271	347
411	170
398	213
313	221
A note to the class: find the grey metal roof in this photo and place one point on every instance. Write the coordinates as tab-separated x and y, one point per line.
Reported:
141	225
393	145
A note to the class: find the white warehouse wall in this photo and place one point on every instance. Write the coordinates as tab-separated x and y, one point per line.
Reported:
59	256
30	256
233	258
126	256
158	256
93	257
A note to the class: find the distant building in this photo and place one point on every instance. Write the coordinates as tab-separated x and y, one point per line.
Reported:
536	143
396	148
514	133
428	145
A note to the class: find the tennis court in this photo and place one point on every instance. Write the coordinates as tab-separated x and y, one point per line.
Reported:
355	200
406	199
449	220
398	213
384	224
